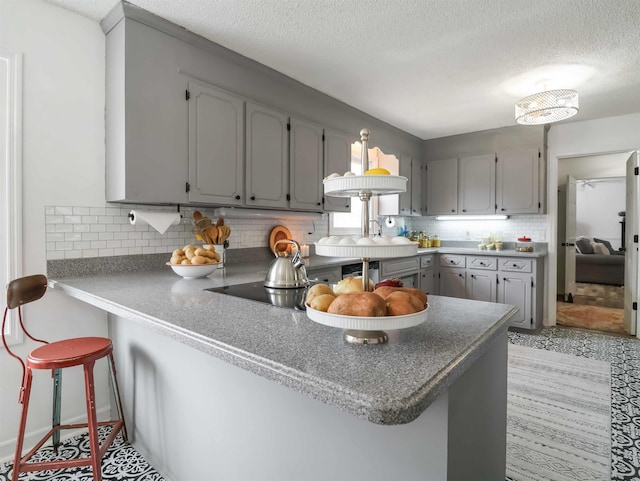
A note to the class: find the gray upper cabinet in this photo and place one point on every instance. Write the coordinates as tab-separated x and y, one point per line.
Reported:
416	179
216	145
267	162
146	112
477	184
337	158
306	152
442	186
405	170
517	182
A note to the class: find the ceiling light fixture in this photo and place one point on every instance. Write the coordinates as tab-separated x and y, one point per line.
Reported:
547	107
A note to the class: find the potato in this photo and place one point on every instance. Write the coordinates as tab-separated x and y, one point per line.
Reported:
350	284
185	262
201	252
362	304
318	290
189	253
322	302
177	253
215	256
400	303
385	291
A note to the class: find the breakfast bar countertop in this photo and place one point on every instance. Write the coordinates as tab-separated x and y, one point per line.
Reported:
392	383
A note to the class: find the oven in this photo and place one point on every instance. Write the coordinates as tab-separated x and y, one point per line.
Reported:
355	270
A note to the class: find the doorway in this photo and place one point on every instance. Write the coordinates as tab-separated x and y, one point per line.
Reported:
591	242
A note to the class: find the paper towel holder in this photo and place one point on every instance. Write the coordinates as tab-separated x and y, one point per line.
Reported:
131	216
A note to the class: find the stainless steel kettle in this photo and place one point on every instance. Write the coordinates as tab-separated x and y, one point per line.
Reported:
286	272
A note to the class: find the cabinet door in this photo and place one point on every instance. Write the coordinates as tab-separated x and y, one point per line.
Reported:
515	289
442	187
405	169
416	186
453	282
481	285
305	147
477	184
337	158
267	164
428	281
216	145
517	182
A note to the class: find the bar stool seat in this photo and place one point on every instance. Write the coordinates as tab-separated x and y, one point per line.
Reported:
69	352
56	356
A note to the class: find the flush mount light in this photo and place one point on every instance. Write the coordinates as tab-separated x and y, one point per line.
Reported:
472	217
546	107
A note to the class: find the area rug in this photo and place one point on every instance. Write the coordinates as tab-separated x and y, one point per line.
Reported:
605	319
558	417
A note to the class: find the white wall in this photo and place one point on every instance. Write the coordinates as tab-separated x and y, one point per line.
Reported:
597	205
611	134
63	164
593	166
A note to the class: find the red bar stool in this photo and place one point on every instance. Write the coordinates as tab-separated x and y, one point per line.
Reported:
83	351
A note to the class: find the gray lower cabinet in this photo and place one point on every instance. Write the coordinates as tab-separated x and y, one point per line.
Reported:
482	278
519	279
267	157
429	274
407	269
216	145
496	279
337	158
305	165
453	276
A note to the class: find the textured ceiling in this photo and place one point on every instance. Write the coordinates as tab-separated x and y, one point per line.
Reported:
430	67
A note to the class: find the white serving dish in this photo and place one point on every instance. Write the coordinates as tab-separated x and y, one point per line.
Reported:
386	323
368	251
191	271
351	185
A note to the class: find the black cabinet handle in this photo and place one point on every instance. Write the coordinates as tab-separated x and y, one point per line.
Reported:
504	279
460	275
453	210
503	209
253	197
238	197
515	265
318	203
473	276
464	210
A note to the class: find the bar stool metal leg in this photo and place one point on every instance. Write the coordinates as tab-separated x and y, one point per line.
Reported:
92	422
57	393
116	392
24	399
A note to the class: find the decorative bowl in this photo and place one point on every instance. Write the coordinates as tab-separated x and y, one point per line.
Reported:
191	271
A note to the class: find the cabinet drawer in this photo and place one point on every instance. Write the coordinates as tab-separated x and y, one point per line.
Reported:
516	265
401	266
426	261
332	275
484	262
452	260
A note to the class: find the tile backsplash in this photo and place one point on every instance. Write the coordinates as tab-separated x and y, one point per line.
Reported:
74	232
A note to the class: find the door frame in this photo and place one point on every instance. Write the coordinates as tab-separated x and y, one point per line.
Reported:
551	273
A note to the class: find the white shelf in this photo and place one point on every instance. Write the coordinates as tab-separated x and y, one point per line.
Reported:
385	323
369	252
350	186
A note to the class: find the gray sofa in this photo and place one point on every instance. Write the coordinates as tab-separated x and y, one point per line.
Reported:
595	268
600	269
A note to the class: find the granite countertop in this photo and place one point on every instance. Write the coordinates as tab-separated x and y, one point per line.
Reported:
391	383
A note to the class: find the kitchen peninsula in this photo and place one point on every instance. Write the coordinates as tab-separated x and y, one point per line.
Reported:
217	387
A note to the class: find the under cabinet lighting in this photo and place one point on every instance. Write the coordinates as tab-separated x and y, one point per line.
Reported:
472	217
240	213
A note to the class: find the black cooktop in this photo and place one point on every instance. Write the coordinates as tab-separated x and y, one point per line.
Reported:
255	291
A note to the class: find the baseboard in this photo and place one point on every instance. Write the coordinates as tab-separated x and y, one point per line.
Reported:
7	448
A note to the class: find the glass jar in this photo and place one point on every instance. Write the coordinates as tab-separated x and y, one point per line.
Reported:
422	239
435	241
